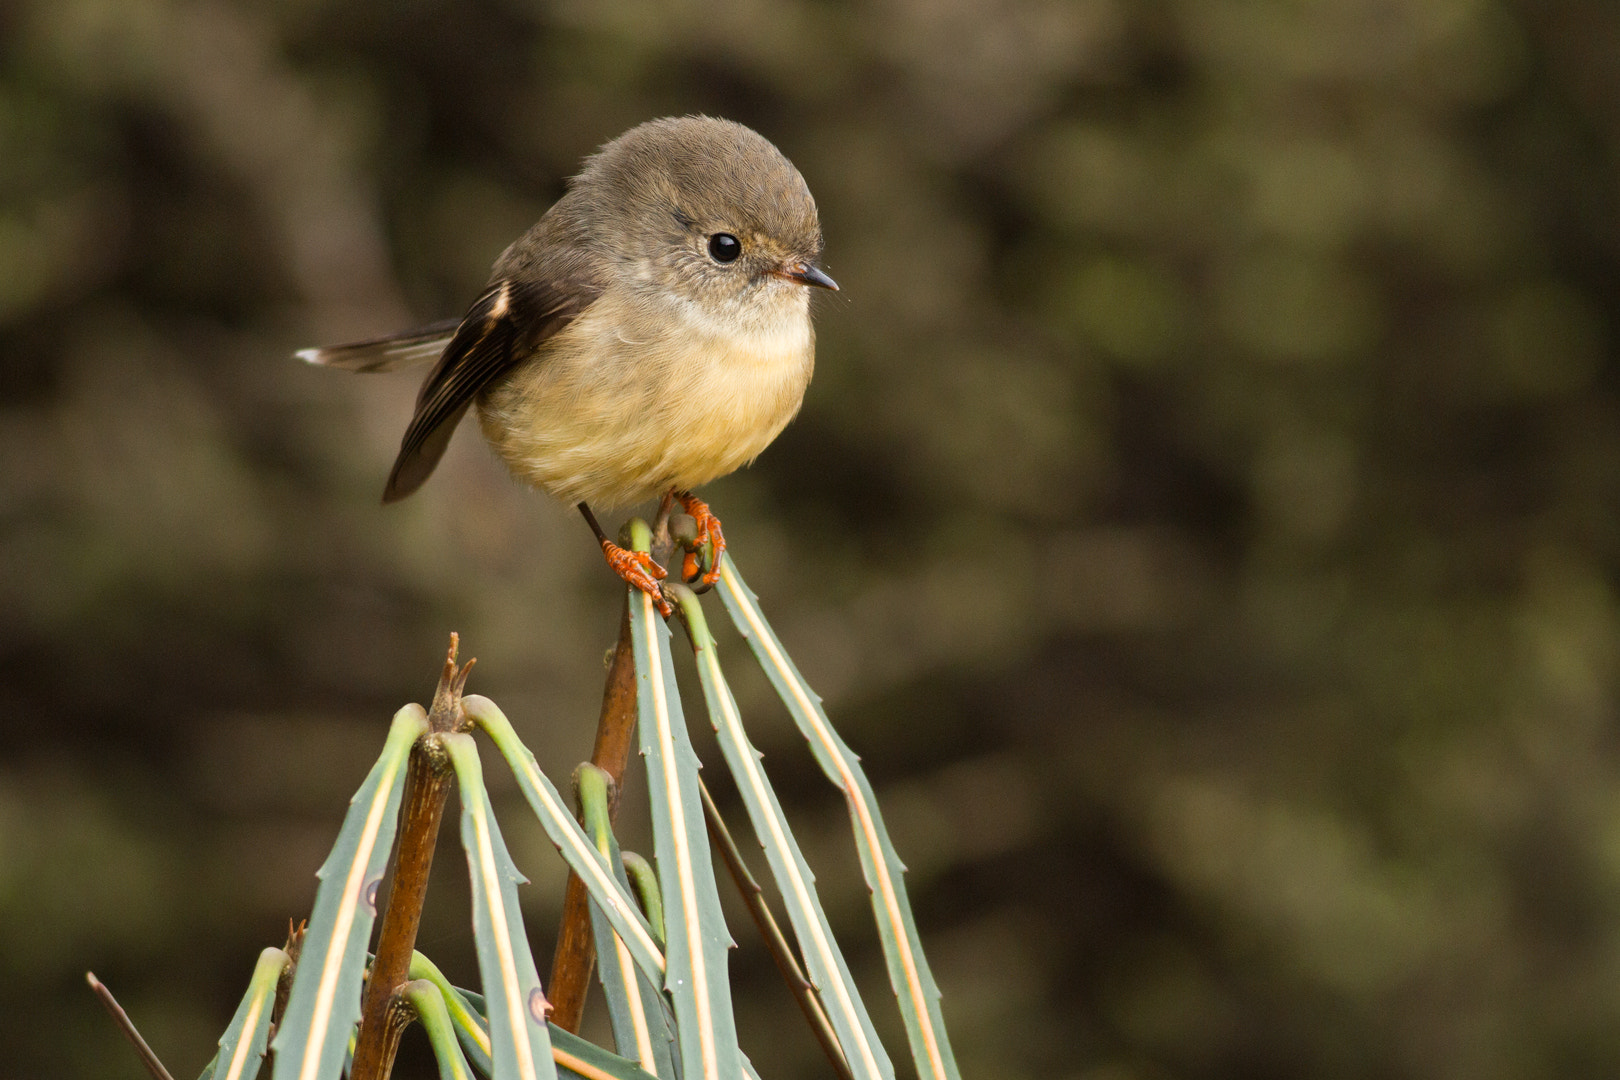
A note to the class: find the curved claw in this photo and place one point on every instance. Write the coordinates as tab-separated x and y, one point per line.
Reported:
638	569
708	531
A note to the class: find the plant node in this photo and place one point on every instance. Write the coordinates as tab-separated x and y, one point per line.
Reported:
446	713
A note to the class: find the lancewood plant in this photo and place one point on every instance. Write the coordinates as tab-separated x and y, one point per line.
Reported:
331	1004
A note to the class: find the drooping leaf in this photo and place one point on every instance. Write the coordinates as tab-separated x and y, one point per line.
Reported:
519	1043
324	1004
585	1059
466	1012
644	883
635	1007
696	937
434	1016
823	959
570	839
913	982
573	1055
242	1047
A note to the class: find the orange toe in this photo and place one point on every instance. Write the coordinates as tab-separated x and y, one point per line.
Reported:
708	529
638	569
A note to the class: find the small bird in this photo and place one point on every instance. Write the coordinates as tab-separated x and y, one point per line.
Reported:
649	334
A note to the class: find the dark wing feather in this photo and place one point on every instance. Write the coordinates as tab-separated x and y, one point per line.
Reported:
502	328
389	353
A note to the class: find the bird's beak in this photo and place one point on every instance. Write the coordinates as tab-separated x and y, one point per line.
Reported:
807	274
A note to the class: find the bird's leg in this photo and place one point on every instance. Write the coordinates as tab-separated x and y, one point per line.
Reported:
708	529
662	542
635	567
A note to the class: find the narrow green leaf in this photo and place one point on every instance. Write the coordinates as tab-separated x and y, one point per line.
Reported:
324	1004
635	1007
587	1060
824	961
632	1035
434	1017
697	939
466	1015
242	1047
913	983
644	883
569	838
573	1055
519	1043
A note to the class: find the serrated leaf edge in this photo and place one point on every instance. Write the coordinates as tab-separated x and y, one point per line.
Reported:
938	1062
408	725
666	770
868	1058
485	865
566	834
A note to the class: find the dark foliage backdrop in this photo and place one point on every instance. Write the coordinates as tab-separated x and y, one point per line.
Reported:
1203	519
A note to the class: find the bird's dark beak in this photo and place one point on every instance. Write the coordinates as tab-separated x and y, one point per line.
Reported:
806	274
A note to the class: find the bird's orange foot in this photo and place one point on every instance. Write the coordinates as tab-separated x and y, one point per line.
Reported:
638	569
708	532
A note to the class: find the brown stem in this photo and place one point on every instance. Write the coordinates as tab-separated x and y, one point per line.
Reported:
294	949
575	957
427	788
776	942
398	1016
127	1026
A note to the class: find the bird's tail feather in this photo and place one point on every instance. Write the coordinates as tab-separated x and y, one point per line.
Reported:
389	353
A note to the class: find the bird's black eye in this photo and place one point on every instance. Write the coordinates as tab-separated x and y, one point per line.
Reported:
723	247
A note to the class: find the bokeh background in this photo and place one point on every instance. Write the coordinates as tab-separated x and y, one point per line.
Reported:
1203	521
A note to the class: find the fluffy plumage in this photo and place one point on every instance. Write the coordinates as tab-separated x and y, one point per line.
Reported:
613	357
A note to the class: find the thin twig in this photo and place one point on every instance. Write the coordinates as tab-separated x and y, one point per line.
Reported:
775	941
127	1026
427	789
575	957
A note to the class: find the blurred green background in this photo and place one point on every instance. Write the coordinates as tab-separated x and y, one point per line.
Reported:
1203	520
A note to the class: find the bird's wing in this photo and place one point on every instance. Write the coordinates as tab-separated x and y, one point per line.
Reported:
502	328
389	353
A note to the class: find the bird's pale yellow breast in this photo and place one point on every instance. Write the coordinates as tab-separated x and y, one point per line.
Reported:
648	391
